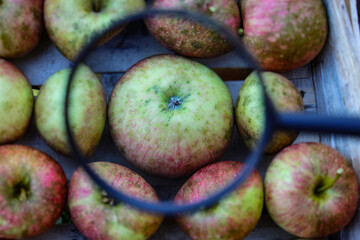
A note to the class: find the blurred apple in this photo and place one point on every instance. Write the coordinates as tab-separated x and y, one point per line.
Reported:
97	216
20	26
188	37
250	109
87	110
72	24
310	190
16	102
234	216
170	115
33	190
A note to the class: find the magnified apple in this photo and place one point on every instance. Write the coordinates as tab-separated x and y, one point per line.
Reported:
170	115
234	216
87	110
100	217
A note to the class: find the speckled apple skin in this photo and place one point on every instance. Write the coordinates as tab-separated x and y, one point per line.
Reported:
87	111
164	141
250	109
97	220
284	35
16	102
72	24
189	38
290	182
20	26
47	196
235	216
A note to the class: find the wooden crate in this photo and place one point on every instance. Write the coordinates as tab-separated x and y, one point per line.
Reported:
330	84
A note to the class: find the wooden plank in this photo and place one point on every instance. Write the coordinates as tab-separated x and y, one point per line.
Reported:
336	77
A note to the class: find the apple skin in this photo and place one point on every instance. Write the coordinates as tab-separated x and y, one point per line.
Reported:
71	24
284	35
20	26
250	109
234	216
189	38
16	102
157	135
96	218
33	189
87	111
290	196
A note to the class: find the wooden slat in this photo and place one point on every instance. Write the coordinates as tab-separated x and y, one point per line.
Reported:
337	84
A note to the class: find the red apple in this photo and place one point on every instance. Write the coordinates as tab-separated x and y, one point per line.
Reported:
188	38
170	115
20	26
33	190
16	102
311	190
99	217
234	216
284	35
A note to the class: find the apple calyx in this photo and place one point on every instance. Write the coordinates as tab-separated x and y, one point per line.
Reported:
96	6
107	200
331	183
22	190
175	103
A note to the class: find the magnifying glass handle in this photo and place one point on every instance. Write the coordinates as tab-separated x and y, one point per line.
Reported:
315	123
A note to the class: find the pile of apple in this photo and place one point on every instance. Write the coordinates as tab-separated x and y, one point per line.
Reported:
169	116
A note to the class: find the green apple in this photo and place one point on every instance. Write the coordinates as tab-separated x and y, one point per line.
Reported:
71	24
170	115
234	216
20	26
250	109
87	110
16	102
311	190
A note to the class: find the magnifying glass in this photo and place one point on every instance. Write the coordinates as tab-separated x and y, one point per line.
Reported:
274	120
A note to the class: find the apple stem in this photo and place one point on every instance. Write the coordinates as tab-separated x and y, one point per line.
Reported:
332	182
96	5
241	31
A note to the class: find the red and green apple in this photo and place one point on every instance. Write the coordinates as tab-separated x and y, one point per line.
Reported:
98	216
170	115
